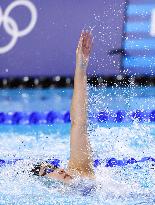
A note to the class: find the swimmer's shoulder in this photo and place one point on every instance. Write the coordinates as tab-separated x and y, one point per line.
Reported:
81	173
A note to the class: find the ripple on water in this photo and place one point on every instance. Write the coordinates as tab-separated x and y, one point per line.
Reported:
129	185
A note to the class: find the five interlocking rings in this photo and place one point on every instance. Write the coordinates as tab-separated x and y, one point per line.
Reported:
11	26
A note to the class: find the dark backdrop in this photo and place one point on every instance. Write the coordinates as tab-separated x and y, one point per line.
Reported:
140	38
49	49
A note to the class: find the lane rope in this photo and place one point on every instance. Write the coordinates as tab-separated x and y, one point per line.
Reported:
51	117
111	162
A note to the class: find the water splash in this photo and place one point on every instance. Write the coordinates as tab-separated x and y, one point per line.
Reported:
113	185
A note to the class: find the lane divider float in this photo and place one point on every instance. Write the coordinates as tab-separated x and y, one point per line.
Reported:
51	117
111	162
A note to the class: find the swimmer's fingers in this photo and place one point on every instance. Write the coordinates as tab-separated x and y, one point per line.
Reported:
84	49
87	42
79	47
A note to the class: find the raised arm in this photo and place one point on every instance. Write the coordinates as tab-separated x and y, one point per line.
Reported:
80	149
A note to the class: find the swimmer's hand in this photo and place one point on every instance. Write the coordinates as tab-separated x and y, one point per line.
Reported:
83	50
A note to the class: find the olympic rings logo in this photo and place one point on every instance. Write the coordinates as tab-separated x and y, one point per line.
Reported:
11	26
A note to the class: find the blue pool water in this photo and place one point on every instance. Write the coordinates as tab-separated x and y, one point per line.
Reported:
129	185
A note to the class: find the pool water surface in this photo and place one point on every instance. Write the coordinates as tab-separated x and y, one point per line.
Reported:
128	185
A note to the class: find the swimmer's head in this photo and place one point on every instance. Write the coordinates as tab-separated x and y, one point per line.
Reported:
51	171
41	169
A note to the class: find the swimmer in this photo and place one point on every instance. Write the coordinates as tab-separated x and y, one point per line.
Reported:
80	162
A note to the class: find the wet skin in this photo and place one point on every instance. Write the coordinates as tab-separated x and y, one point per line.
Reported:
58	174
80	147
65	176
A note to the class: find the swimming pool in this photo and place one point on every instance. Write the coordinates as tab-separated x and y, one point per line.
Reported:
128	185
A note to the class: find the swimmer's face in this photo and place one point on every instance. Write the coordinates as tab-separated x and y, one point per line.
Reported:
58	174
